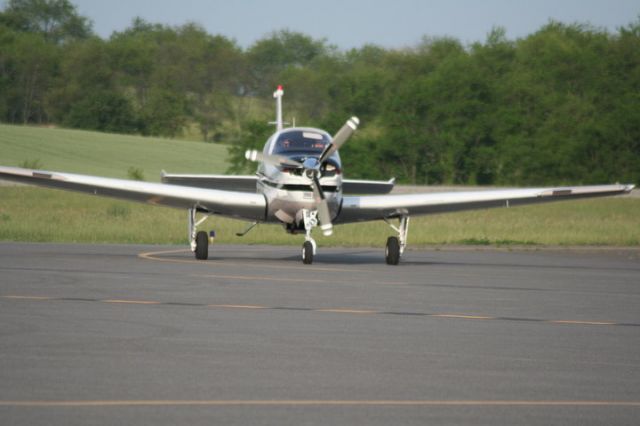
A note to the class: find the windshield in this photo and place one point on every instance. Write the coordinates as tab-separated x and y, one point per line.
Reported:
300	141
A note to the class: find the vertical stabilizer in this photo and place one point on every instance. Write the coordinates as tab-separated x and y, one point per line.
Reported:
278	95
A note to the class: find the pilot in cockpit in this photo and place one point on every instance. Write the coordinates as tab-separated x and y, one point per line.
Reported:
285	144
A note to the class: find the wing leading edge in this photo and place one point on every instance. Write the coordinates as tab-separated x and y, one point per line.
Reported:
248	183
365	208
221	182
239	205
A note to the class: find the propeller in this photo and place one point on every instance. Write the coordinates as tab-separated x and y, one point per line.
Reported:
311	167
340	138
324	216
273	159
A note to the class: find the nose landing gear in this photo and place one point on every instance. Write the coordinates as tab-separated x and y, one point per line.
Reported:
310	218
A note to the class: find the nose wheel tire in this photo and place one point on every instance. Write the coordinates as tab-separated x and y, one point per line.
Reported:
392	251
307	253
202	245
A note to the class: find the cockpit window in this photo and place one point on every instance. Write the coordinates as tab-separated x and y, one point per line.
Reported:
300	141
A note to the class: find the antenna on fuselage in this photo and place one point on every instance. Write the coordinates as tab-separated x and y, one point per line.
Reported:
278	95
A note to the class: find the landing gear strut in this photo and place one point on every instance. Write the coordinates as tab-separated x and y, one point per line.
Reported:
199	241
310	218
396	245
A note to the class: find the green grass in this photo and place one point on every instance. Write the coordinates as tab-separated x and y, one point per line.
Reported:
42	215
109	155
36	214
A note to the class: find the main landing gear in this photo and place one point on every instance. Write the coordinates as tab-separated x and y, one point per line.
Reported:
199	240
393	250
396	245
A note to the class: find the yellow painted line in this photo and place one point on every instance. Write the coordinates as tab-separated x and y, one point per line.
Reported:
346	311
27	297
238	306
132	302
327	310
582	322
249	263
325	403
478	317
260	278
150	255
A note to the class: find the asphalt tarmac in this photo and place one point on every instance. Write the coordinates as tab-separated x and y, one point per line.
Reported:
106	334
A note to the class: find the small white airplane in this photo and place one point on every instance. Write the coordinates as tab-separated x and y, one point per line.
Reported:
299	185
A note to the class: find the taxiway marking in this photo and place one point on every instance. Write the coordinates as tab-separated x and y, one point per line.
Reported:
347	311
261	278
131	302
319	403
27	297
238	306
341	310
154	255
476	317
582	322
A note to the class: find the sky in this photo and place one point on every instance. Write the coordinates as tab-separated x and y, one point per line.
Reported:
354	23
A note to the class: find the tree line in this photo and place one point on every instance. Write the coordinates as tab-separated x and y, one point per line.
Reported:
561	105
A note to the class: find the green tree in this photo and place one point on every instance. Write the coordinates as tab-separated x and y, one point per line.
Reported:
254	135
283	49
165	113
29	63
56	20
105	111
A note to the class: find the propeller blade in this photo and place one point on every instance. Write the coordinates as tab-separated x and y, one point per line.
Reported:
340	138
324	216
274	159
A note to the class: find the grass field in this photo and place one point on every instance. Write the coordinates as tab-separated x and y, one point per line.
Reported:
104	154
37	214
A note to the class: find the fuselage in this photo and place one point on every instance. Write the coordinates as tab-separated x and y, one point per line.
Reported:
287	189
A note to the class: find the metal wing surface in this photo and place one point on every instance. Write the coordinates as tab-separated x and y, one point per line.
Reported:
245	183
364	208
222	182
355	186
239	205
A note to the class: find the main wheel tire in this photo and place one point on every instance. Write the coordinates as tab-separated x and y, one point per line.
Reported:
202	245
392	251
307	253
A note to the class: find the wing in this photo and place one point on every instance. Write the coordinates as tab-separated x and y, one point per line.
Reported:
248	183
239	205
363	208
354	186
222	182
